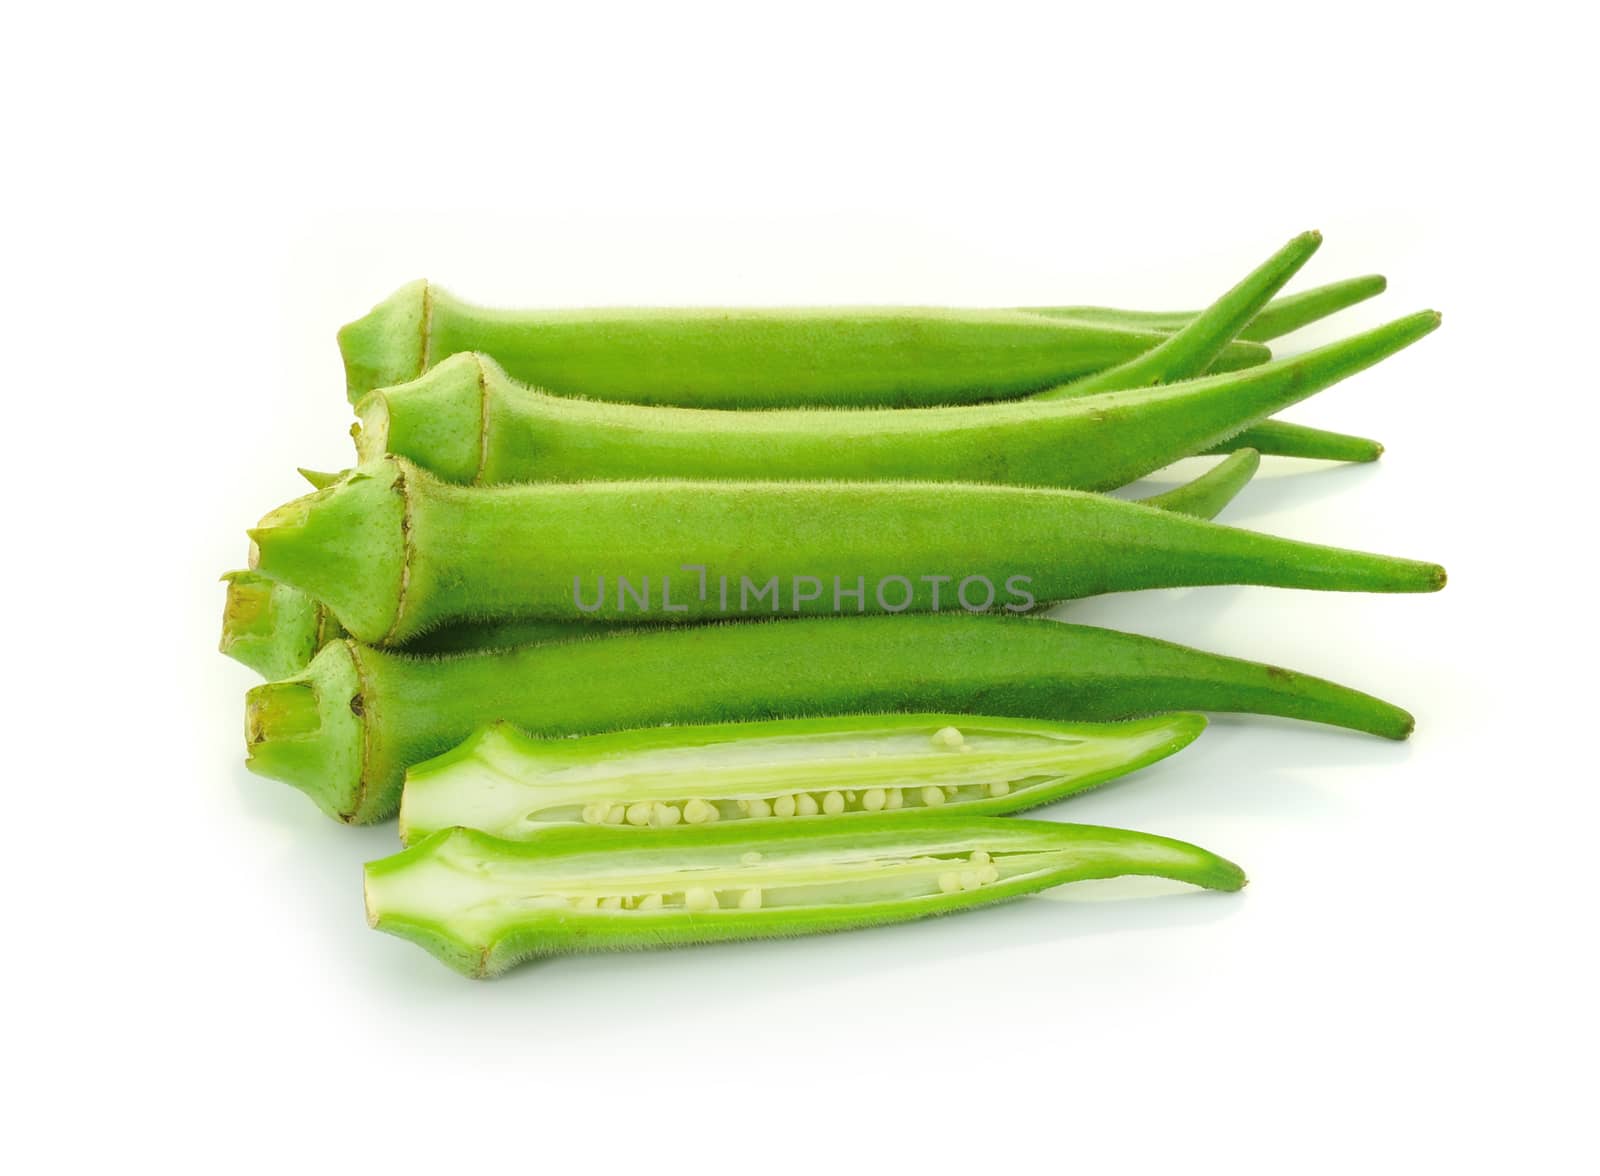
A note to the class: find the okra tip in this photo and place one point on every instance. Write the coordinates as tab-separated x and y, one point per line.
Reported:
388	344
441	411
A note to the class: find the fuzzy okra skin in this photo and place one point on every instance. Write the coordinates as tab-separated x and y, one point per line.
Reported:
745	358
345	729
470	422
394	552
511	785
480	904
1276	319
275	629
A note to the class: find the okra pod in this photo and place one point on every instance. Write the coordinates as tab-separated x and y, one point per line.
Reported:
469	421
275	629
849	357
480	904
394	552
1278	318
509	784
346	728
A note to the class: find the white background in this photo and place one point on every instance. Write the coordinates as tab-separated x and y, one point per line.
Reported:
198	196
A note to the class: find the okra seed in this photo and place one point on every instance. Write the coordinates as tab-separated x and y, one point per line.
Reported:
750	900
698	812
896	799
980	855
665	814
639	813
999	787
989	874
833	804
948	737
933	795
615	814
595	814
784	806
873	799
700	898
759	808
805	804
969	879
950	882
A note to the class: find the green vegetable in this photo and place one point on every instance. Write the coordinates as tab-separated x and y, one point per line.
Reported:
470	422
746	358
275	629
1277	319
482	905
394	552
1283	439
345	730
511	785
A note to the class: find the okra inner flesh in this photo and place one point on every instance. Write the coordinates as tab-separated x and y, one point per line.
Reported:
481	904
510	785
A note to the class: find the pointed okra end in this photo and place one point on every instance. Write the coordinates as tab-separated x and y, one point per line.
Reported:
437	420
343	546
320	479
388	344
270	627
1299	310
1207	495
308	731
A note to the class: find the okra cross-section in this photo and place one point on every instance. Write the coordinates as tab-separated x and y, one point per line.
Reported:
481	904
504	782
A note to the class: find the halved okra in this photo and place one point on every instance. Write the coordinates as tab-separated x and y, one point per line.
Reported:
481	904
511	785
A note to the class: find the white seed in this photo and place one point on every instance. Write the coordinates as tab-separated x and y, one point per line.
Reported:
980	855
615	814
874	799
933	795
749	858
611	902
948	737
639	813
664	814
833	804
650	902
595	814
999	787
698	812
784	806
969	879
700	898
805	804
989	874
750	900
949	883
759	808
897	797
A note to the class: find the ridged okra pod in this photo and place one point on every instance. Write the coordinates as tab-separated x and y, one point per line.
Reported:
345	730
481	905
746	358
509	784
394	552
275	629
468	421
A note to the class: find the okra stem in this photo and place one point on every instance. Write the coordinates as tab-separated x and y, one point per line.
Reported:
1276	319
744	358
511	785
481	905
346	728
468	421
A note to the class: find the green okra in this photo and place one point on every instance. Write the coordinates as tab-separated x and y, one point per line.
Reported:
468	421
847	357
1278	318
275	629
1284	439
394	552
345	729
509	784
480	904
